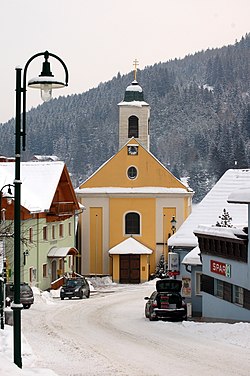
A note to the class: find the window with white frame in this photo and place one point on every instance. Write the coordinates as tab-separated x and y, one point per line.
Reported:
45	233
198	288
61	230
45	270
238	295
31	235
218	290
132	223
53	232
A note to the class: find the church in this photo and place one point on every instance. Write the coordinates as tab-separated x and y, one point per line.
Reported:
129	202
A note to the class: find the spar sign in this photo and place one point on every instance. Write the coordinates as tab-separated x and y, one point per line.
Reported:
220	268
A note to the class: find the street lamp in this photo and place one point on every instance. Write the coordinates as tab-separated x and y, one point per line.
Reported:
173	224
45	82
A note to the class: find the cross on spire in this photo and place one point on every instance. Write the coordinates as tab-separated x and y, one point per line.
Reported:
135	63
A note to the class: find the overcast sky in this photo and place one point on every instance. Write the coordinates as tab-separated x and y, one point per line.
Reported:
99	38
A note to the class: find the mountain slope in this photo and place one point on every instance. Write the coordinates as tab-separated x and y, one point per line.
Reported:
200	118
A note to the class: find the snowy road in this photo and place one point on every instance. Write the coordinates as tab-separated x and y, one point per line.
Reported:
108	335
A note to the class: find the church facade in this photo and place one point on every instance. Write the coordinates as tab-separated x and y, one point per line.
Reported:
130	202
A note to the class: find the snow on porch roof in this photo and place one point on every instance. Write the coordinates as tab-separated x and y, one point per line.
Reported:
130	246
62	252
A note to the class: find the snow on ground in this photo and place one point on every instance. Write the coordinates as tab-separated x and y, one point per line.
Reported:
108	299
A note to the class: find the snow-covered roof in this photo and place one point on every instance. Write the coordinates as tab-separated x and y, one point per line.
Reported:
131	191
130	246
222	232
241	196
193	257
211	207
39	182
133	103
134	87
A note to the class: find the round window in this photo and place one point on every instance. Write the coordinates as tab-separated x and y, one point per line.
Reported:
132	172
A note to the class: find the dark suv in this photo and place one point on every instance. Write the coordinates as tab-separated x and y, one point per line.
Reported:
75	287
26	294
166	302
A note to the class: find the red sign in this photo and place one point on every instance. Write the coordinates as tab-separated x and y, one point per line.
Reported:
220	268
174	273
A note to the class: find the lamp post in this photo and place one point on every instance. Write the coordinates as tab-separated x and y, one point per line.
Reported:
46	83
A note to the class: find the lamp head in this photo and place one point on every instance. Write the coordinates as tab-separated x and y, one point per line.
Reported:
46	82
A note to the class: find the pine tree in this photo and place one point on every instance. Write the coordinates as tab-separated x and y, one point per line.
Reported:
225	220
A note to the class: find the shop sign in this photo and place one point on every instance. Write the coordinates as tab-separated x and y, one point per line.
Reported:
220	268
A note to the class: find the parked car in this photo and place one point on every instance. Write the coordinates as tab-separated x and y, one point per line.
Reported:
26	294
75	287
166	302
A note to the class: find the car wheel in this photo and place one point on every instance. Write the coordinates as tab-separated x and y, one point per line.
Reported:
81	295
62	298
152	318
26	306
88	294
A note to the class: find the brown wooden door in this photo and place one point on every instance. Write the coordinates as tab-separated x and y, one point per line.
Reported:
129	268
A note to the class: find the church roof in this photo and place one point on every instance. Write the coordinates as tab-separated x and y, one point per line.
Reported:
134	92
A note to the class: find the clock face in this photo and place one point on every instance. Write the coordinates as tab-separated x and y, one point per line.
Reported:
132	150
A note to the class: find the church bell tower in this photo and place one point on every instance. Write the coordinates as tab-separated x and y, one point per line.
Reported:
134	115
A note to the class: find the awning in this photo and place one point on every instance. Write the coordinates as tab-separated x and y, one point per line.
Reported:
130	246
62	252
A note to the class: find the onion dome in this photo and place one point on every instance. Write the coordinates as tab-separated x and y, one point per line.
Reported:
133	92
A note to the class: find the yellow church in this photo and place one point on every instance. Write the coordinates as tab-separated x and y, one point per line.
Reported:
129	202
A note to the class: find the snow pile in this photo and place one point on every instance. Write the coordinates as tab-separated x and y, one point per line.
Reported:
7	367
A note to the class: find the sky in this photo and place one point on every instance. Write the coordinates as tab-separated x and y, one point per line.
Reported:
97	39
231	341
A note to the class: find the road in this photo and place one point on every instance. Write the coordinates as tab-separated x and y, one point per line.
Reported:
108	335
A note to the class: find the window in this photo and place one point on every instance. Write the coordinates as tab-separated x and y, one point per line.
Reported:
61	230
31	235
45	235
198	287
238	295
219	288
132	223
53	232
45	270
69	228
132	172
133	128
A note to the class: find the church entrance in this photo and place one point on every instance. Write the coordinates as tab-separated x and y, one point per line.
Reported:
129	268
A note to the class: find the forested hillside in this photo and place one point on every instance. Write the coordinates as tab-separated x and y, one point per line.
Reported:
200	118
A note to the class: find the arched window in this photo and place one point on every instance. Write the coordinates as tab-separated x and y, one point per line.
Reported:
133	126
132	223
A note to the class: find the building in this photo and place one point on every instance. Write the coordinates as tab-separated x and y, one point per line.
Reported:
225	273
130	201
49	211
207	212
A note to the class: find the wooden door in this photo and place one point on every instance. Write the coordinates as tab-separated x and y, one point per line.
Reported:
129	268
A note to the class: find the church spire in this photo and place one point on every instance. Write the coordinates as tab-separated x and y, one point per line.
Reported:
135	63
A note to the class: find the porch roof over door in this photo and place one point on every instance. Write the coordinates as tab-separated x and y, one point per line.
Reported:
62	252
130	246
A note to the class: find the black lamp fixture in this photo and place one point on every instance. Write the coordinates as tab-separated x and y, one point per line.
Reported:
173	224
7	195
45	82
